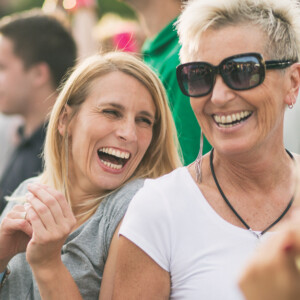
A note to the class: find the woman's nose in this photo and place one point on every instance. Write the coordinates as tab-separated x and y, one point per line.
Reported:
221	93
127	131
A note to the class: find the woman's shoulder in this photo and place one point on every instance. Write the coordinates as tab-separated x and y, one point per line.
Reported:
128	190
166	190
169	181
117	201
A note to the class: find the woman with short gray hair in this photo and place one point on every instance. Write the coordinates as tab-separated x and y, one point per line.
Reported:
188	234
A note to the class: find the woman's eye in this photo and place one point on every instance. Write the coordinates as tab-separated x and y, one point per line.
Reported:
111	113
145	121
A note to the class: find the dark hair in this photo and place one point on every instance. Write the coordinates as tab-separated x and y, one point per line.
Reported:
38	37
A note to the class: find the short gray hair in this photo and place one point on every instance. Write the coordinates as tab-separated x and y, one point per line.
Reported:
279	19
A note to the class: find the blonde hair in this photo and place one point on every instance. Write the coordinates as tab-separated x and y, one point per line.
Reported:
160	158
278	19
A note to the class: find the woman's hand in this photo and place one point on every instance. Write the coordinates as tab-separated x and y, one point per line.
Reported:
15	233
52	221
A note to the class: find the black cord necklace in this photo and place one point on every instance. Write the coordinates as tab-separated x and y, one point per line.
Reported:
258	235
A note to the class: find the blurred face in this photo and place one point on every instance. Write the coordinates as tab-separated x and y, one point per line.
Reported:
238	121
15	81
111	133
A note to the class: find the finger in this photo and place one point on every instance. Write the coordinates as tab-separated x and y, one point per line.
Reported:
17	212
18	207
44	234
43	213
65	206
10	225
38	227
48	200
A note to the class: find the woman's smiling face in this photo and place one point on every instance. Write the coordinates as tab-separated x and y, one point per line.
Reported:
110	134
259	110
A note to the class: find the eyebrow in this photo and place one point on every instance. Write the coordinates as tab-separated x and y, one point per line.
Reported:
121	107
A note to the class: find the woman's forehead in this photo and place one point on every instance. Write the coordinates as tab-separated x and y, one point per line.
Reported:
216	44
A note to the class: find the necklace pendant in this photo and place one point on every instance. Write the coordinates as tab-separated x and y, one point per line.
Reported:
257	235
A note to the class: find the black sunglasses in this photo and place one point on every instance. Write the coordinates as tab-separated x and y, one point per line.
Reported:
239	72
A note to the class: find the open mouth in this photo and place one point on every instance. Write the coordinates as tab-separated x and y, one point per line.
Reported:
233	119
112	158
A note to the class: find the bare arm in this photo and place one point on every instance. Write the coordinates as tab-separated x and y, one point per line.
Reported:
55	282
110	268
137	276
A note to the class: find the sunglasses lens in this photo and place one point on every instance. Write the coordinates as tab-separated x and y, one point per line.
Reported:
196	79
242	73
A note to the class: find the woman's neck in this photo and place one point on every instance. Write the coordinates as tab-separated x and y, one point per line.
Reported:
260	170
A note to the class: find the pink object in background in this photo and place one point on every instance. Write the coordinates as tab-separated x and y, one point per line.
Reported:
125	41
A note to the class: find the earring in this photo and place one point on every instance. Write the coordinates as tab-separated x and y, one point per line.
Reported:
198	162
291	106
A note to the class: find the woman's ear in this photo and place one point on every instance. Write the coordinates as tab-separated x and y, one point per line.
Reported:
63	120
294	86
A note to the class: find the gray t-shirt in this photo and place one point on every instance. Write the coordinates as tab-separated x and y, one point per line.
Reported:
84	253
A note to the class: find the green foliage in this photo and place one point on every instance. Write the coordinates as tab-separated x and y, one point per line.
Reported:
115	6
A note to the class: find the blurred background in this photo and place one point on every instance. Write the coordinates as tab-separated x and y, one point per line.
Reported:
104	6
97	25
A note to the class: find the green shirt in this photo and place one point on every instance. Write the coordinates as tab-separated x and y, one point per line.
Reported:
162	54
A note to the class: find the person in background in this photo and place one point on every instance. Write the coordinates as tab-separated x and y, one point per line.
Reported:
36	51
116	33
161	52
82	16
8	138
110	127
188	234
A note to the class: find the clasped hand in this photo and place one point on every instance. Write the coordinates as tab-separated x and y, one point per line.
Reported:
48	222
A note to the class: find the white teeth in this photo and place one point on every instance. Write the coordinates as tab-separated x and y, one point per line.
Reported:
228	119
217	119
110	165
114	152
225	121
227	125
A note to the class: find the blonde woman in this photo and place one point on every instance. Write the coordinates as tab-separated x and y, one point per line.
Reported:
109	127
191	231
